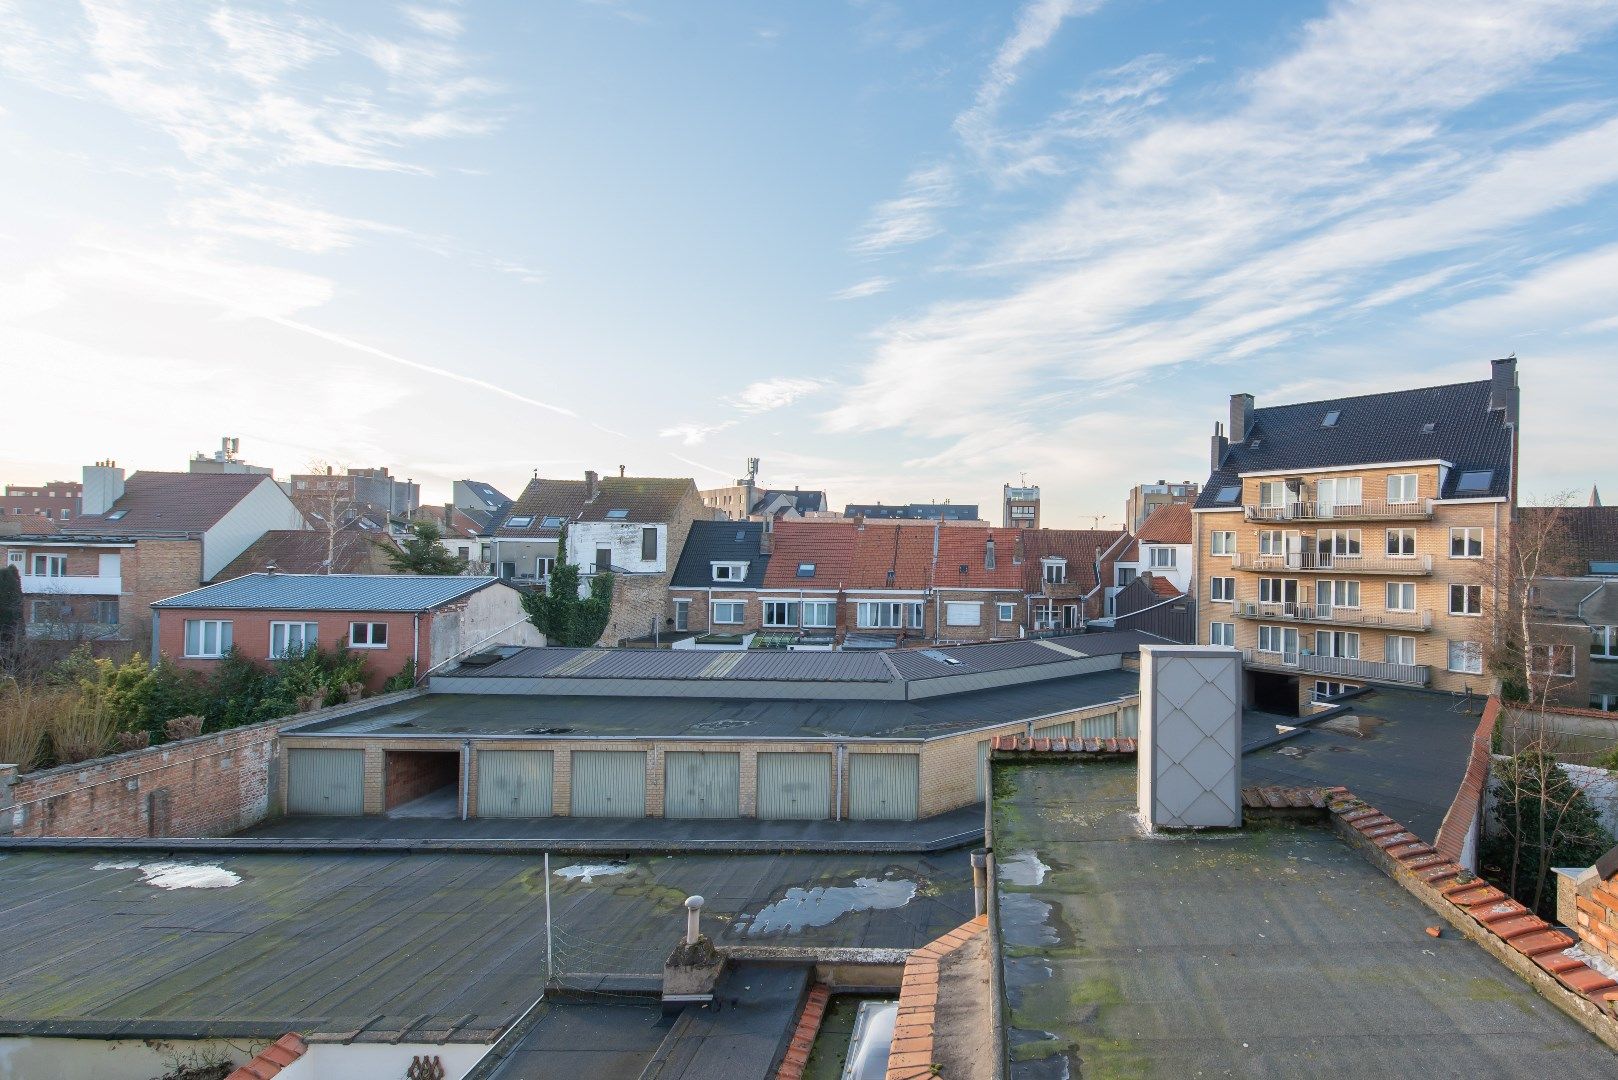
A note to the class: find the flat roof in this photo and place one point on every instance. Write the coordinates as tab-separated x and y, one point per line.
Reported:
435	947
660	717
1274	951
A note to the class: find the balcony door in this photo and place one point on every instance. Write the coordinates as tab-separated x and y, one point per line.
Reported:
1289	645
1295	549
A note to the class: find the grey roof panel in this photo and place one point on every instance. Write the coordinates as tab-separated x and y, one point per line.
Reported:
816	666
721	541
329	592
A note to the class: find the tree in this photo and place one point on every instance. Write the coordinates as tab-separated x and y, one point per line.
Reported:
1542	820
1523	642
328	502
562	616
423	552
10	606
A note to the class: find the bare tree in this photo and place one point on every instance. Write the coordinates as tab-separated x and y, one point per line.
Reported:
326	498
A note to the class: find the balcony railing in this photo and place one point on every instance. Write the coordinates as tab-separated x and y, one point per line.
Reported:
72	585
1330	615
1340	666
1406	566
1364	510
74	631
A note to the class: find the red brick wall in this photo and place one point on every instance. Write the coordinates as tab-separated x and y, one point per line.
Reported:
250	631
410	774
1598	919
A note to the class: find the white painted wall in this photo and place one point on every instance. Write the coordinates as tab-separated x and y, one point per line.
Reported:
623	537
138	1059
1179	574
489	617
266	507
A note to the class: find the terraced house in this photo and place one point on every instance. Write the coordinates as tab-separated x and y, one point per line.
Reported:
1358	540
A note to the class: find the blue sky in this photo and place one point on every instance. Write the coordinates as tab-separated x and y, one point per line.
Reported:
896	250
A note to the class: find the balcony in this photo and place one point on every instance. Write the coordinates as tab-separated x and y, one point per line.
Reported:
1406	566
1339	667
1364	510
1328	615
82	585
74	631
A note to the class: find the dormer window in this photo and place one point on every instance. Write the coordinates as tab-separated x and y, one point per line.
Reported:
1055	571
729	571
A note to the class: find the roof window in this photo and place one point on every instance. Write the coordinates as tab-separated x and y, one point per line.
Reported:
117	515
553	521
1255	444
617	515
1475	480
806	569
1428	428
521	522
1331	418
1229	494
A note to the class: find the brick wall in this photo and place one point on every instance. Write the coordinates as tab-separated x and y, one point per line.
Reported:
250	633
411	774
640	602
156	569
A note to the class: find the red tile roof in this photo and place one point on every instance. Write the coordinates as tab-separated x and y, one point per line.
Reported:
829	545
272	1059
167	504
1170	524
967	545
882	549
1077	546
911	1057
1581	534
1162	586
303	551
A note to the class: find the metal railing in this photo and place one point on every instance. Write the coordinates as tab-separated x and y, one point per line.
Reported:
1342	666
1406	566
1364	510
1333	615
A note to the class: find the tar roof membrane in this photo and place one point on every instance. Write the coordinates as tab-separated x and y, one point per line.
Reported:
1274	951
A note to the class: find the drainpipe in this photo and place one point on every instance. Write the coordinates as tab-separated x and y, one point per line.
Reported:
466	778
157	635
842	763
415	644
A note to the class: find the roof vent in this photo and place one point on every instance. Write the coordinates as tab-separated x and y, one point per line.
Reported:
1428	428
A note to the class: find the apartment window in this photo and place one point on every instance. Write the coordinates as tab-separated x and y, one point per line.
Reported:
107	612
1338	491
1400	650
1401	542
1466	657
729	612
1160	557
1337	643
1272	494
1337	594
648	544
1055	571
1553	660
1006	612
780	613
820	614
1274	590
887	615
368	635
729	571
1126	574
1401	596
1222	588
1340	543
1270	639
682	614
1222	543
1272	542
50	566
207	638
963	614
1466	599
1402	488
1604	641
1466	543
1222	633
50	611
290	638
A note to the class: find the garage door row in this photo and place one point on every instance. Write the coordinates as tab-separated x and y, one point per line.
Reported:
612	783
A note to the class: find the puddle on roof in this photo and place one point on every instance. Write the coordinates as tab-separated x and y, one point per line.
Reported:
824	904
1023	868
1025	919
587	872
178	875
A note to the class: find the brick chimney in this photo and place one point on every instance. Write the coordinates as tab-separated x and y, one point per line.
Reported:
592	485
766	539
1216	452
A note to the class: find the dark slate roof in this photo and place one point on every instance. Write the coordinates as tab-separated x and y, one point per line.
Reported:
494	500
721	541
646	498
330	592
1375	428
541	499
170	504
803	502
914	511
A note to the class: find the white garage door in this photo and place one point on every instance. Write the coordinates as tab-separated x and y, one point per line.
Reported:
702	785
514	783
883	787
794	786
608	783
326	782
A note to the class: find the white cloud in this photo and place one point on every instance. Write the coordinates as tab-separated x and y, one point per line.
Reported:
261	49
1036	24
694	434
258	214
771	394
861	289
913	216
440	21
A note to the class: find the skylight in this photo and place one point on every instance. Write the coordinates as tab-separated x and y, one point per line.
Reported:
617	515
521	522
552	522
806	569
117	515
1475	480
1229	494
1331	418
1255	444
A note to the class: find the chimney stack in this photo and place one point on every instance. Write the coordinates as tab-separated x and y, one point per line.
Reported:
1216	453
1503	392
766	539
449	517
103	486
1241	417
620	472
592	485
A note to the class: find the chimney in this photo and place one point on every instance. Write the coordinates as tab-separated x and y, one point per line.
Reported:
592	485
1241	417
449	517
1503	392
766	539
620	472
1216	454
103	486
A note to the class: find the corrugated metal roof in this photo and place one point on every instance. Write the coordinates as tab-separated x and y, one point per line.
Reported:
813	666
993	656
329	592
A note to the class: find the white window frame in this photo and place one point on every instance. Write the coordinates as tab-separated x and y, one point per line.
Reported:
1399	649
963	613
1222	590
739	607
369	642
1222	542
1273	634
1337	592
1054	571
1470	654
1607	647
1338	486
1006	612
1222	633
1272	494
53	565
1552	650
1345	644
1468	594
1272	542
812	620
682	614
221	634
732	571
306	641
791	609
1402	488
1397	593
1465	536
904	614
1396	543
1340	543
1160	558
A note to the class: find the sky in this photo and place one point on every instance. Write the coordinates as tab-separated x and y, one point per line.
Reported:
898	251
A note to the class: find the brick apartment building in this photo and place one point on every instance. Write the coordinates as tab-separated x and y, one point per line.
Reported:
1357	540
58	501
136	542
1143	499
358	489
393	620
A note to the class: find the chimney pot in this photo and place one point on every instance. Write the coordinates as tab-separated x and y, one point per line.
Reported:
620	472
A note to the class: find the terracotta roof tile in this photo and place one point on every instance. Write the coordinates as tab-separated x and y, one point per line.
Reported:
826	545
1077	546
1162	586
272	1059
1170	524
968	546
646	498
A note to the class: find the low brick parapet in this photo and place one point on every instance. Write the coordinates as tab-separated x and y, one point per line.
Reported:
911	1056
